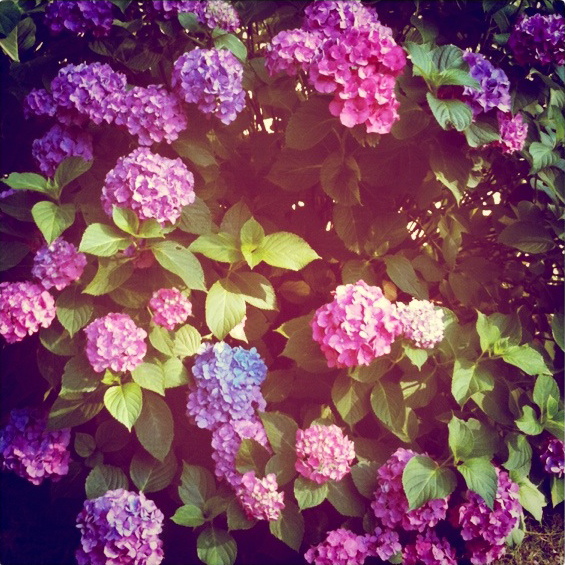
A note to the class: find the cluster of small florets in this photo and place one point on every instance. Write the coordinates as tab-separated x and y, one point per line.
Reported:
59	143
494	86
24	308
80	16
259	497
212	79
358	326
32	452
485	530
170	8
58	264
152	113
121	527
154	187
170	307
323	453
513	132
331	18
429	549
115	342
291	51
538	40
553	457
421	322
226	385
218	14
390	504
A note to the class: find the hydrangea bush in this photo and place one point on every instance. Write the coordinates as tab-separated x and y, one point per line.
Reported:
292	275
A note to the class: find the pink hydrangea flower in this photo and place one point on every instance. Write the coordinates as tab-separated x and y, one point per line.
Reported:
170	307
115	342
513	132
291	50
259	497
323	453
358	326
24	308
58	264
421	322
32	452
429	549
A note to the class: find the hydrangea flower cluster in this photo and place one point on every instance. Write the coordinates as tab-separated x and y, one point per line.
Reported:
385	543
24	308
39	103
59	143
538	39
390	504
227	385
212	13
513	132
212	79
115	342
259	497
80	16
358	326
121	527
485	530
58	264
152	113
31	451
429	549
331	19
170	307
553	457
494	86
421	322
154	187
170	8
292	50
323	453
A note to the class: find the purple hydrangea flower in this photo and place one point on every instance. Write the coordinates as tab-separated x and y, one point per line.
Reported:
59	143
358	326
115	342
212	79
421	322
538	40
31	451
151	185
24	308
323	453
429	549
120	528
39	103
226	385
332	18
553	458
341	547
513	132
384	543
291	50
170	8
58	264
259	497
80	16
390	504
170	307
218	14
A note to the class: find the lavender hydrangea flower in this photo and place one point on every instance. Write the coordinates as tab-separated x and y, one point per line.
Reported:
59	143
358	326
212	79
226	385
32	452
259	497
553	457
24	308
151	185
58	264
115	342
170	307
513	132
80	16
323	453
429	549
421	322
121	527
218	14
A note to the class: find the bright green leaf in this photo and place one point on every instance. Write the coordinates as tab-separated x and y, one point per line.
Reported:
289	528
224	310
124	402
308	493
53	220
216	547
403	275
287	251
73	309
154	427
179	260
102	240
104	478
480	475
188	515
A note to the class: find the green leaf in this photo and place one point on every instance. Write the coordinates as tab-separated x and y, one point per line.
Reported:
11	254
289	528
234	218
9	17
542	156
196	151
493	328
84	444
470	439
187	341
124	402
351	398
557	329
452	168
352	224
125	219
73	309
233	44
527	236
151	475
418	357
216	547
197	485
175	373
162	340
468	379
456	77
110	275
251	456
296	170
528	422
10	44
280	429
255	289
104	478
68	413
403	275
531	498
287	251
283	466
154	427
450	112
480	475
421	58
111	436
251	237
196	218
310	124
27	181
150	376
546	394
188	21
557	490
424	480
344	497
179	260
78	376
519	453
188	515
237	520
102	240
527	358
447	57
308	493
52	220
365	477
58	342
340	176
70	169
224	310
388	405
481	133
221	247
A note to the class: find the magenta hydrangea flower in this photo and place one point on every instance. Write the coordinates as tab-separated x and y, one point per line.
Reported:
538	40
39	103
80	16
152	113
32	452
212	79
485	530
59	143
58	264
291	51
429	549
331	18
24	308
323	453
513	132
115	342
122	528
390	504
259	497
341	547
170	307
384	543
358	326
421	322
154	187
553	457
